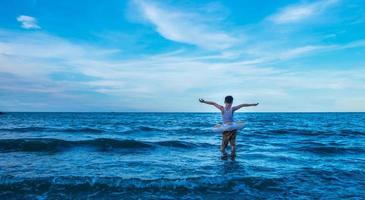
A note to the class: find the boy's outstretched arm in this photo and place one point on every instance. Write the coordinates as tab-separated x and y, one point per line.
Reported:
244	105
212	103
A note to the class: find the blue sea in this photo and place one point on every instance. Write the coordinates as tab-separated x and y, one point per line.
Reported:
176	156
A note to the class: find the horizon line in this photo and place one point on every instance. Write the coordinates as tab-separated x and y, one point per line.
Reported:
3	112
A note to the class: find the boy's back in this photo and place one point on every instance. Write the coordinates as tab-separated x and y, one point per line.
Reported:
227	118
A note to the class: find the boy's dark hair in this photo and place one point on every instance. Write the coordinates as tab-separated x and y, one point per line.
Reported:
228	99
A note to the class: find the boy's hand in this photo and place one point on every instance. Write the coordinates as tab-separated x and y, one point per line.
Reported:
201	100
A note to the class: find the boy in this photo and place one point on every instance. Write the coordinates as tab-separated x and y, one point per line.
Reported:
227	116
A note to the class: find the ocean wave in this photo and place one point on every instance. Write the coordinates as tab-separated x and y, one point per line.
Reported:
332	150
75	130
128	128
24	129
169	129
175	143
120	184
48	129
200	124
310	132
296	131
331	175
320	148
293	186
102	144
352	132
148	128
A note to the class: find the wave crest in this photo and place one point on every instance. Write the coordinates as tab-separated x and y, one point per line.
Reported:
44	129
102	144
118	183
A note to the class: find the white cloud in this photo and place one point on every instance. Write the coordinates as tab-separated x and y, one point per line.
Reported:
297	13
163	82
28	22
300	51
310	49
185	27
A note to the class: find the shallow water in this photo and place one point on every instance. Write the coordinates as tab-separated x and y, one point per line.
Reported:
176	155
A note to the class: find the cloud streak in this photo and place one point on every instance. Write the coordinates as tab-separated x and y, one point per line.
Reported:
184	27
298	13
28	22
150	83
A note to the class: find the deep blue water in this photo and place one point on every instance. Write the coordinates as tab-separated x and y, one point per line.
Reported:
176	155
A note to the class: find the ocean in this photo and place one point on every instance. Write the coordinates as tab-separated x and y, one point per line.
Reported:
176	156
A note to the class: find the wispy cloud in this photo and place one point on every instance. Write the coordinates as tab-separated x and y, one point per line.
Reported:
150	83
185	27
297	13
28	22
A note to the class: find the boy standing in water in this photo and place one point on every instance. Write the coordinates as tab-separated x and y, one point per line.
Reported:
227	116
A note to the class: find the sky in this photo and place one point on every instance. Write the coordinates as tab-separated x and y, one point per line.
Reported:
147	56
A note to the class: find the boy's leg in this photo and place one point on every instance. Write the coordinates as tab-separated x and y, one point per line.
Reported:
225	140
232	142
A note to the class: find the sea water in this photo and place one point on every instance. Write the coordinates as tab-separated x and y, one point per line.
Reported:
176	156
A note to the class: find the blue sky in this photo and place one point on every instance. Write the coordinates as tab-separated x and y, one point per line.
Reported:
141	55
